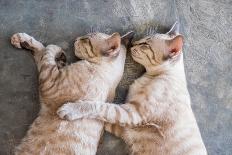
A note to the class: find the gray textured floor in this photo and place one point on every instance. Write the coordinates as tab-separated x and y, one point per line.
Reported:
206	25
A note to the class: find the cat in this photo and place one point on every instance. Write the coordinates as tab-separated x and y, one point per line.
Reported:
95	77
157	118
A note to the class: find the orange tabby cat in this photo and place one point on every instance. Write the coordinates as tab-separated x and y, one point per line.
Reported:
94	78
157	118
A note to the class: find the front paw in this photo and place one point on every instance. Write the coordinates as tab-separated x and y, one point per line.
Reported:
68	112
21	40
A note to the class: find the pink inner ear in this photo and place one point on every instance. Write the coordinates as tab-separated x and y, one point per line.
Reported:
175	45
173	51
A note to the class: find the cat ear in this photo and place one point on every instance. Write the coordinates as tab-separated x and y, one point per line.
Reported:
174	46
113	42
174	29
127	38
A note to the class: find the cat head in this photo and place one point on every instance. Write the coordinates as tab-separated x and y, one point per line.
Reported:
157	49
94	46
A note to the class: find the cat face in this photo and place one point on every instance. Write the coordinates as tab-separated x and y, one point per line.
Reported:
156	49
94	46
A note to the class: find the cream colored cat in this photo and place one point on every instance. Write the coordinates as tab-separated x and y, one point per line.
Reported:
94	78
157	118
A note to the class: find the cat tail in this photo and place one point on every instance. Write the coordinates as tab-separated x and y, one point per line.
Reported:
114	129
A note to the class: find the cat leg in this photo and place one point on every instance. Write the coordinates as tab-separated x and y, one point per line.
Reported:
124	114
23	40
49	60
50	65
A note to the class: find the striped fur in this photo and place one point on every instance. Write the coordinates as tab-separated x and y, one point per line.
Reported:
89	79
157	118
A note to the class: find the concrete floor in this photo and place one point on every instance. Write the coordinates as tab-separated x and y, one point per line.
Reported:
206	25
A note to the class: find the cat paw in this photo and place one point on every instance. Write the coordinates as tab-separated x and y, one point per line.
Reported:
21	40
60	60
66	112
77	110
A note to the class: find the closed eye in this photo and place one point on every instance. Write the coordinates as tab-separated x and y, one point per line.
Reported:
144	46
85	40
84	37
143	43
